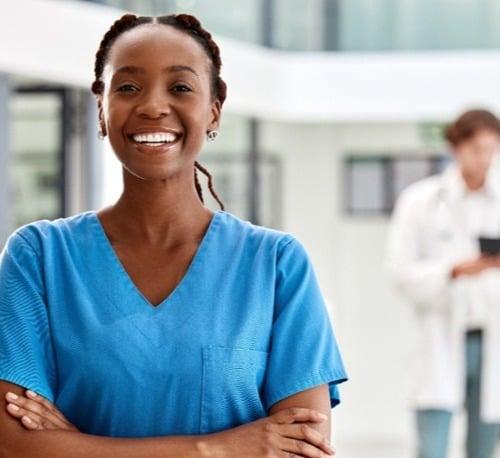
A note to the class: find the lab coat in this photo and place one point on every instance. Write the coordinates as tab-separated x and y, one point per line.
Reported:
427	238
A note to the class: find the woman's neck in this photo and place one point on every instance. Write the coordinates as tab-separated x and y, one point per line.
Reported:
157	212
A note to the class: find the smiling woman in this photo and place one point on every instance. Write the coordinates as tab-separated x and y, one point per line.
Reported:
156	319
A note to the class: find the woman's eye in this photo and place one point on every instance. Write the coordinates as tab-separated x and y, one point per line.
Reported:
127	88
181	88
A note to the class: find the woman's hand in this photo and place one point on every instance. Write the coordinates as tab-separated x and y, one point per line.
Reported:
284	434
36	413
475	266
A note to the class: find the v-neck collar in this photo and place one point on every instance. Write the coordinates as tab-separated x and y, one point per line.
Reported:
118	269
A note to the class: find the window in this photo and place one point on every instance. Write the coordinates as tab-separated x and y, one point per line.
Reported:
373	183
38	147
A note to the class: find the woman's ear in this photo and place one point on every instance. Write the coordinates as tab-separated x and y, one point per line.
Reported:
215	114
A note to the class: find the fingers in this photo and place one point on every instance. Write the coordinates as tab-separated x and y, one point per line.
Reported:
32	404
296	436
45	405
303	449
24	416
30	424
302	439
298	415
36	412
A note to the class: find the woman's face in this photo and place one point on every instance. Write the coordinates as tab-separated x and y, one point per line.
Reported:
475	154
157	106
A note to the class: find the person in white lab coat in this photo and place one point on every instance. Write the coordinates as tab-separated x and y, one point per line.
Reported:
435	260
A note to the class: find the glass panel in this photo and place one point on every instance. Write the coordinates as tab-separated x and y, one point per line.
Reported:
227	161
239	19
360	25
366	24
374	183
231	179
233	139
419	24
444	24
298	25
406	171
366	185
36	142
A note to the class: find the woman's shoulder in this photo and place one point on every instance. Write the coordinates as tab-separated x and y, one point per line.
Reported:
59	225
45	231
243	238
243	230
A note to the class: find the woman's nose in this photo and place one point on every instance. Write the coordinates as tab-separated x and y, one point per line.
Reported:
154	104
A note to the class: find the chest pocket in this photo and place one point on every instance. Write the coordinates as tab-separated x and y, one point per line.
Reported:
232	384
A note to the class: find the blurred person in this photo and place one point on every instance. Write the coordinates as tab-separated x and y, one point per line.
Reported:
189	331
435	260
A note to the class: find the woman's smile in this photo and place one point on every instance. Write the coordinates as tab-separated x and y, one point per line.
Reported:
155	141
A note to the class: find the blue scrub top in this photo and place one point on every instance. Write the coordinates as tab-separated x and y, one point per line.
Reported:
245	328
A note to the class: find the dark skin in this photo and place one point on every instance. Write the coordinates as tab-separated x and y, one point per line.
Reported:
157	81
148	255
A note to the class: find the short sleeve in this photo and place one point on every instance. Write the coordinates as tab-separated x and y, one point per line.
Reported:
304	352
26	353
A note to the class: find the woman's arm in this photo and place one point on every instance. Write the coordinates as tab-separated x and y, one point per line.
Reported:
287	431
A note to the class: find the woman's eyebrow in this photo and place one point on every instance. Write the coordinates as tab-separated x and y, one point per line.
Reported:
131	69
180	68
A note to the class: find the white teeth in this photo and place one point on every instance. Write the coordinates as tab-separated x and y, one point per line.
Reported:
163	137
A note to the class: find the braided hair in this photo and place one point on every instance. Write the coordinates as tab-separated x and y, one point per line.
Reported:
188	24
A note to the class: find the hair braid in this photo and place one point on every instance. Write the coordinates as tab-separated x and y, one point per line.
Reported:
197	185
210	184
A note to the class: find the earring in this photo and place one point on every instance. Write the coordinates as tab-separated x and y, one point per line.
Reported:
100	134
212	135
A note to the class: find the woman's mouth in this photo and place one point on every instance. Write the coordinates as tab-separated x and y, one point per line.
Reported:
155	138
